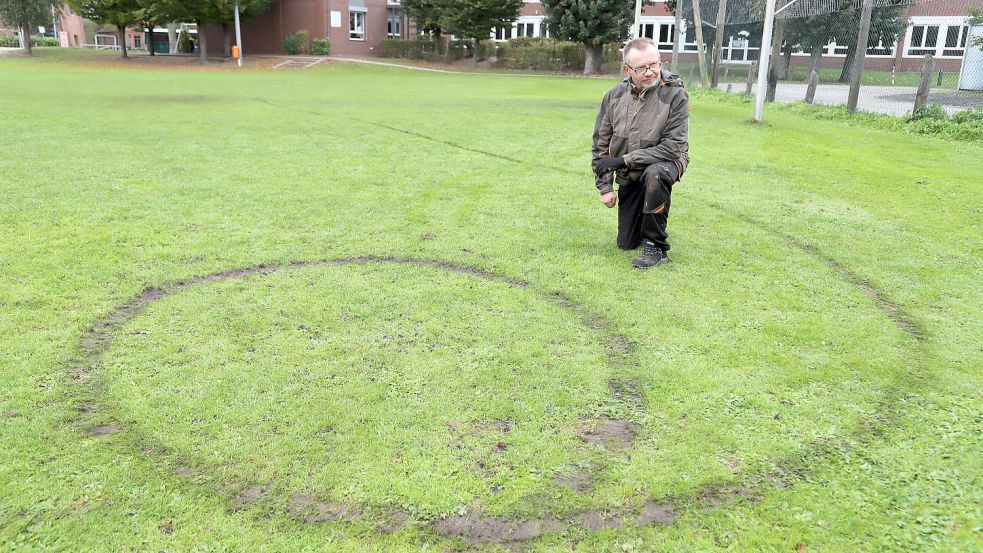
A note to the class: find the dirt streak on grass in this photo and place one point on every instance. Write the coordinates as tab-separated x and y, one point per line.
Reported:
613	435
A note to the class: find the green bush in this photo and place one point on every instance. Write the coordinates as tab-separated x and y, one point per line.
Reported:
931	111
297	43
426	49
970	116
966	126
546	54
322	46
541	54
612	55
11	41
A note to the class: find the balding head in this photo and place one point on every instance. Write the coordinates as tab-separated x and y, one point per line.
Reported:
642	62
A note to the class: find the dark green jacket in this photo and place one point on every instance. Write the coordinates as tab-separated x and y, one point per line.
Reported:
644	128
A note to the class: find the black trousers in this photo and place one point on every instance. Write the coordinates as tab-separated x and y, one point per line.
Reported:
643	207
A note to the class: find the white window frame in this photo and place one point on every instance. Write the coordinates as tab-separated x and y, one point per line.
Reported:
507	33
353	17
944	23
739	50
501	34
656	24
962	40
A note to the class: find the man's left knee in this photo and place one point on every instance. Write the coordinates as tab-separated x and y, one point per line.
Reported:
664	173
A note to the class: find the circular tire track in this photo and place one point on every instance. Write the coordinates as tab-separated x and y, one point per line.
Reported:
615	436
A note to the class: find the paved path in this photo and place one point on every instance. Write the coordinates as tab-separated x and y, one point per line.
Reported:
456	72
370	62
892	100
299	62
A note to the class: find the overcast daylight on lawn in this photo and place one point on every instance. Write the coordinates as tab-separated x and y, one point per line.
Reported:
371	300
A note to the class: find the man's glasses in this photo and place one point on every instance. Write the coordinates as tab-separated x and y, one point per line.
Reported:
653	68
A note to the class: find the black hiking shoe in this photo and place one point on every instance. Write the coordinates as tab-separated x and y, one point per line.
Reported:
650	257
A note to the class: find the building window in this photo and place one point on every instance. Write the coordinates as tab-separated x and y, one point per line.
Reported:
356	25
136	42
525	29
662	33
394	29
955	41
503	33
666	33
923	40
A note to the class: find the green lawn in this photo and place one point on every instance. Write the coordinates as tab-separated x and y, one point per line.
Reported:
361	308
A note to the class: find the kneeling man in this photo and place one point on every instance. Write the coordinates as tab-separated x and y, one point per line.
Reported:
642	136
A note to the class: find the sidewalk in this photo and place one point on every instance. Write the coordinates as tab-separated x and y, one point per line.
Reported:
891	100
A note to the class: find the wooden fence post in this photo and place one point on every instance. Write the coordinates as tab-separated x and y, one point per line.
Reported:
700	46
750	77
776	52
921	97
811	88
861	54
718	43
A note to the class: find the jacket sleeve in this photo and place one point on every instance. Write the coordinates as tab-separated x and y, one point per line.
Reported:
674	145
602	140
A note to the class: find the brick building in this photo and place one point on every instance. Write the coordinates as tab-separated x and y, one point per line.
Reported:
358	27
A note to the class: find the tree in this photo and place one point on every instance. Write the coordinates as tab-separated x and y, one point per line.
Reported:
203	12
592	23
886	24
976	19
812	34
248	9
475	19
745	17
426	14
25	15
151	14
119	13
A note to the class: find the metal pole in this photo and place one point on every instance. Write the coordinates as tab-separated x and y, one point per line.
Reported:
637	29
763	59
238	35
54	21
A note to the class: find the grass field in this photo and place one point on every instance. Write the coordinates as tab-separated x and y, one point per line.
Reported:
371	309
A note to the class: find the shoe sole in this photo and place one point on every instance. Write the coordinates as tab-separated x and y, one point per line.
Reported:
665	260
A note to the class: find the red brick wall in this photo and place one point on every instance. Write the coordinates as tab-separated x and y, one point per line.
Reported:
264	35
71	24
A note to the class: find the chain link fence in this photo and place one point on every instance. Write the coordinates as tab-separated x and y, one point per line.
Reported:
918	52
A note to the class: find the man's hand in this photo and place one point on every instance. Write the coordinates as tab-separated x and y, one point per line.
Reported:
609	164
609	199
